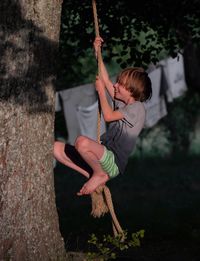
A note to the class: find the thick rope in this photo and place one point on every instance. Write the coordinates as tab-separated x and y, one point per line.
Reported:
102	204
99	59
101	198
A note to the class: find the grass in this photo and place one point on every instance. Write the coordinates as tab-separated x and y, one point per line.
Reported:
159	195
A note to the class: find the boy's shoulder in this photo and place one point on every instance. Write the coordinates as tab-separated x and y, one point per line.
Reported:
136	105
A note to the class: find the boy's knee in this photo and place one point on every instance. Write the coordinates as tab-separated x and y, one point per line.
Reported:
81	143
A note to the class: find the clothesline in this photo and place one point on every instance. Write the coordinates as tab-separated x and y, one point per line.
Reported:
80	103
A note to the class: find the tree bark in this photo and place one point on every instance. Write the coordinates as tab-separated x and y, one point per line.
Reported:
29	34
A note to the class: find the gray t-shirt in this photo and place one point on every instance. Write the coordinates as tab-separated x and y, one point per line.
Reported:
121	135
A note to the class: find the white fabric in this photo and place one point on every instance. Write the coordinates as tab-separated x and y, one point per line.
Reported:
173	68
156	106
57	102
88	119
81	97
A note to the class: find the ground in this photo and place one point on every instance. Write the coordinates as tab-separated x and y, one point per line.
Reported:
158	195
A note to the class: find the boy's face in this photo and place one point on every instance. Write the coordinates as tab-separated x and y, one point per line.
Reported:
121	93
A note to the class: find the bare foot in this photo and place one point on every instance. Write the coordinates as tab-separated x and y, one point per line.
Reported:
94	182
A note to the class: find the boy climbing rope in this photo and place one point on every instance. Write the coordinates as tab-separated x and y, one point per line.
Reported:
103	161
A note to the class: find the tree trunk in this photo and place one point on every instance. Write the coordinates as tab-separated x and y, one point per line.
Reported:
29	34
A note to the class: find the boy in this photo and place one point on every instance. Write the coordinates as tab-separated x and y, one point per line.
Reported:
126	120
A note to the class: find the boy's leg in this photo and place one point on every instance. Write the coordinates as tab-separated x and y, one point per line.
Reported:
60	155
91	152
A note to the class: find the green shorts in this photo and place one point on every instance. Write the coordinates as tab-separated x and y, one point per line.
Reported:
108	163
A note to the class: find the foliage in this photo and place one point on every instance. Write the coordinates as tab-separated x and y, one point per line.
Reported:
134	34
182	116
109	246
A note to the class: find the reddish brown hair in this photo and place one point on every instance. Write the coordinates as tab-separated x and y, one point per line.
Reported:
137	81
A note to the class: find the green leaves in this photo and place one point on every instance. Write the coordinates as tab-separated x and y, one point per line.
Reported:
133	35
109	247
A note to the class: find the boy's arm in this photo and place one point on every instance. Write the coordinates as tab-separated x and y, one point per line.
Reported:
103	71
108	113
105	77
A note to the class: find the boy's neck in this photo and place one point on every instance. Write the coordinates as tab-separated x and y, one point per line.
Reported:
130	100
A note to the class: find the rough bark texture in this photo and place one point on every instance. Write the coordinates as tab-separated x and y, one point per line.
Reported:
29	33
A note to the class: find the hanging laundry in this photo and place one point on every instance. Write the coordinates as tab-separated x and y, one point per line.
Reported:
156	106
79	98
88	118
173	68
58	106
